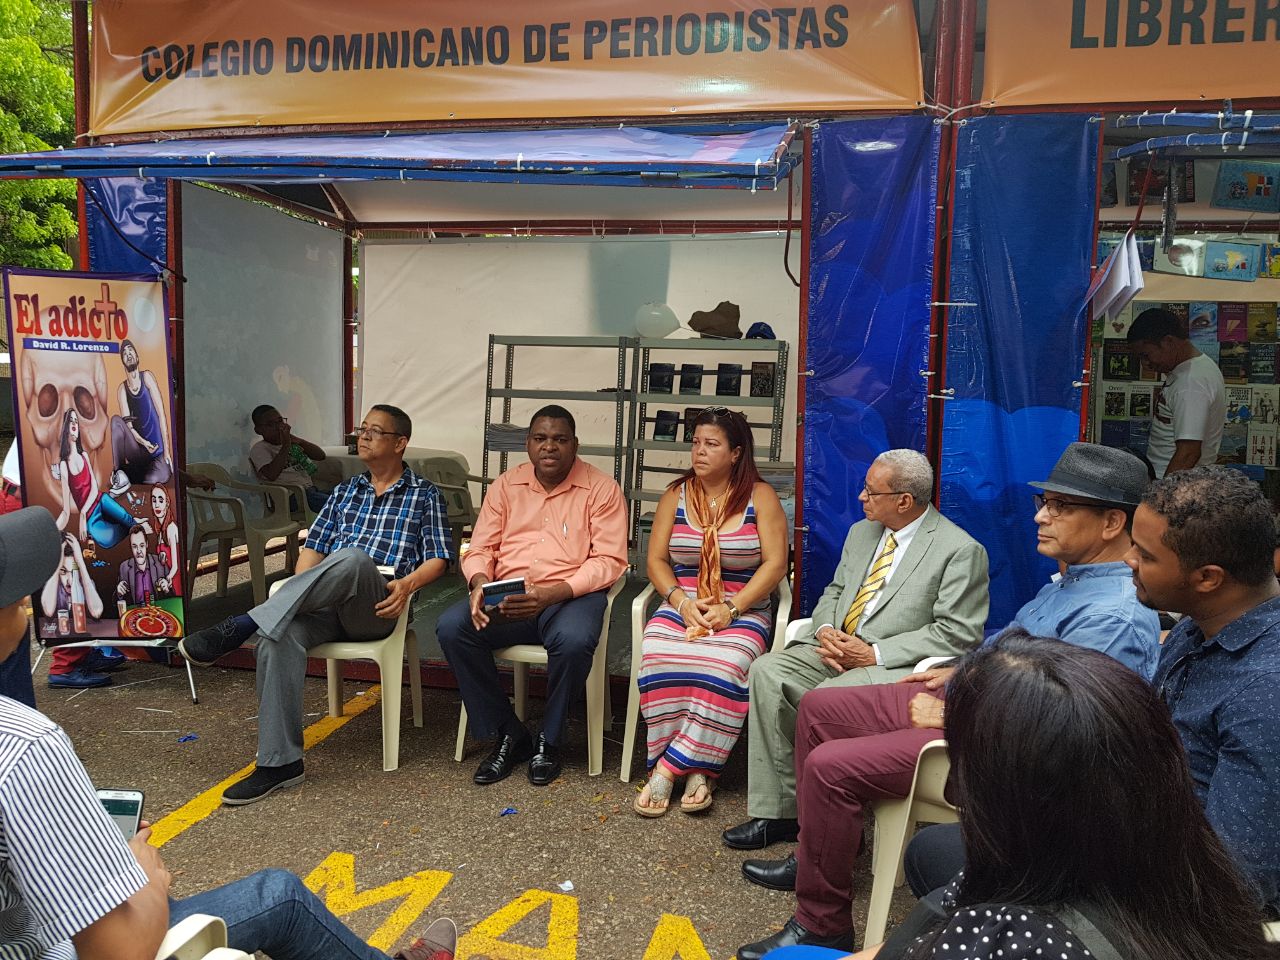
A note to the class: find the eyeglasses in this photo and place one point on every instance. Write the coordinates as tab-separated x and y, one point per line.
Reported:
1056	506
375	433
884	493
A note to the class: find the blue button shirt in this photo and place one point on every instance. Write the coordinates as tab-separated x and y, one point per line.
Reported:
1226	706
1095	605
403	528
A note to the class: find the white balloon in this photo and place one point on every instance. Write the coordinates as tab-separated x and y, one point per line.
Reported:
655	320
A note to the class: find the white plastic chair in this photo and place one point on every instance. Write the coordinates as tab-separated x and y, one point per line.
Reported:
221	517
895	822
781	600
598	710
389	654
198	937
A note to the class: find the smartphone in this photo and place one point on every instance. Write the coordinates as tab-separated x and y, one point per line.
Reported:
124	807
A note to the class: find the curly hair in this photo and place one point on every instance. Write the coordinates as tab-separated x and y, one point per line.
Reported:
1217	516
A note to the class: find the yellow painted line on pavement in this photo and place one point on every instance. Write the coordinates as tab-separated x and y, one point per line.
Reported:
197	809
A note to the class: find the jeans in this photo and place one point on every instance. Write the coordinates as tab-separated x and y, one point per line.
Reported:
15	675
274	912
933	858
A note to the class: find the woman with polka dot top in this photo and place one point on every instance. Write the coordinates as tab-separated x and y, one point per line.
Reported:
1083	837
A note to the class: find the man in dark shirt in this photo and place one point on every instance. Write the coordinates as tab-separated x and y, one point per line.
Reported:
1204	543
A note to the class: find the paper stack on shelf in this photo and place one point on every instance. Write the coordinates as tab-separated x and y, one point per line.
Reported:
505	437
781	476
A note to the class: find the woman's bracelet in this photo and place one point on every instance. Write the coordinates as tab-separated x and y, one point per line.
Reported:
680	606
667	596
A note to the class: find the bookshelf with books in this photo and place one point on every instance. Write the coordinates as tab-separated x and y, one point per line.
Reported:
503	437
674	381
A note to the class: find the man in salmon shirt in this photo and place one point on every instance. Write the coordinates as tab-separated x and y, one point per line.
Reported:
560	524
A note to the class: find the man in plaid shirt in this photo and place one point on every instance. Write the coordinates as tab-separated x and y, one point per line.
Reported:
387	516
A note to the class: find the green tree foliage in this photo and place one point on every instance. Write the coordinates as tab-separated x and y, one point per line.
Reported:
37	111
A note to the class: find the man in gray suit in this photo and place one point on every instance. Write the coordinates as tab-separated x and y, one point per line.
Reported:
910	585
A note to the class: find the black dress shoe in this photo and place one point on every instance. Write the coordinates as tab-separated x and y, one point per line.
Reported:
544	765
757	833
774	874
502	759
795	935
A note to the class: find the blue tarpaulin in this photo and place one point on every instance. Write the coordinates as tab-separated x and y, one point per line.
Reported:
874	187
1021	238
735	156
139	210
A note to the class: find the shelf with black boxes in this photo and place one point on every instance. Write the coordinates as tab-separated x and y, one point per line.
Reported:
675	380
503	437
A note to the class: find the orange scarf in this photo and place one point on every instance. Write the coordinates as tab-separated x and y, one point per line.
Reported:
710	583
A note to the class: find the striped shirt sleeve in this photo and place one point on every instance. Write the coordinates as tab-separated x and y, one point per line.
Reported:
66	856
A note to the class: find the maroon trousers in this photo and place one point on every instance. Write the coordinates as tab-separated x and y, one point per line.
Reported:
853	745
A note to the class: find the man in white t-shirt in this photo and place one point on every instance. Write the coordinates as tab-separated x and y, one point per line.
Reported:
1186	429
280	457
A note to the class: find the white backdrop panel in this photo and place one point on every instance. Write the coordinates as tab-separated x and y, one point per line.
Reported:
428	310
263	305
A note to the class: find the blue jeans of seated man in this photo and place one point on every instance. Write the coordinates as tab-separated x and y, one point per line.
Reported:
273	911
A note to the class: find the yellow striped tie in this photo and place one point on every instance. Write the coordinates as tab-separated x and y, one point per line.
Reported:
873	583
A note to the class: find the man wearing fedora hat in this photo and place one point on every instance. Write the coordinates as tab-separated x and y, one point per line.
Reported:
855	745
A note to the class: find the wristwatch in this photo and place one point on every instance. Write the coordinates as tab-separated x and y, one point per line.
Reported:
733	610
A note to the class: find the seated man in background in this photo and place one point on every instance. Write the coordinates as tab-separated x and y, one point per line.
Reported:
855	746
280	457
387	516
560	524
72	885
910	585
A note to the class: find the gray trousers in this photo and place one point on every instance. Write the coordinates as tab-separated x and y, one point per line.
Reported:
777	682
334	600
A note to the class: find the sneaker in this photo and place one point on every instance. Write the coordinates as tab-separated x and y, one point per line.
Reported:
81	678
205	647
119	483
263	782
438	942
100	661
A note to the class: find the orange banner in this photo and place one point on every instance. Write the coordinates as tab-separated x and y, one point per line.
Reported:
1129	51
188	64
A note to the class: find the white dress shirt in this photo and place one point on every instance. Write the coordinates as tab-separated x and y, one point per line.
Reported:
902	539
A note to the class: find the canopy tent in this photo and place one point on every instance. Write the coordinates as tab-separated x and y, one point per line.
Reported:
741	156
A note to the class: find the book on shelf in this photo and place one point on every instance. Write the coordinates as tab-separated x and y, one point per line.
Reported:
729	380
1202	325
1115	402
1115	433
691	378
763	373
1140	435
1118	360
1235	438
664	425
690	415
661	377
505	437
1265	403
1261	446
1262	321
1139	401
1262	362
1233	360
779	475
1239	404
1233	322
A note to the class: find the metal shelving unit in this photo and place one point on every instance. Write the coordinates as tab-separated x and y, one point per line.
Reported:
636	490
620	396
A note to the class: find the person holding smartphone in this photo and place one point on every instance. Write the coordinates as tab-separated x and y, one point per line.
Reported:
71	885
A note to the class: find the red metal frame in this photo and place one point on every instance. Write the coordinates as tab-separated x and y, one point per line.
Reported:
348	335
1086	368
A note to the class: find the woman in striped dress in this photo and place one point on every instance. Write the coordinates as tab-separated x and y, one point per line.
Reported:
718	549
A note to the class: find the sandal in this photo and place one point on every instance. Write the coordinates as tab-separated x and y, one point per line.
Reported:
691	786
659	789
